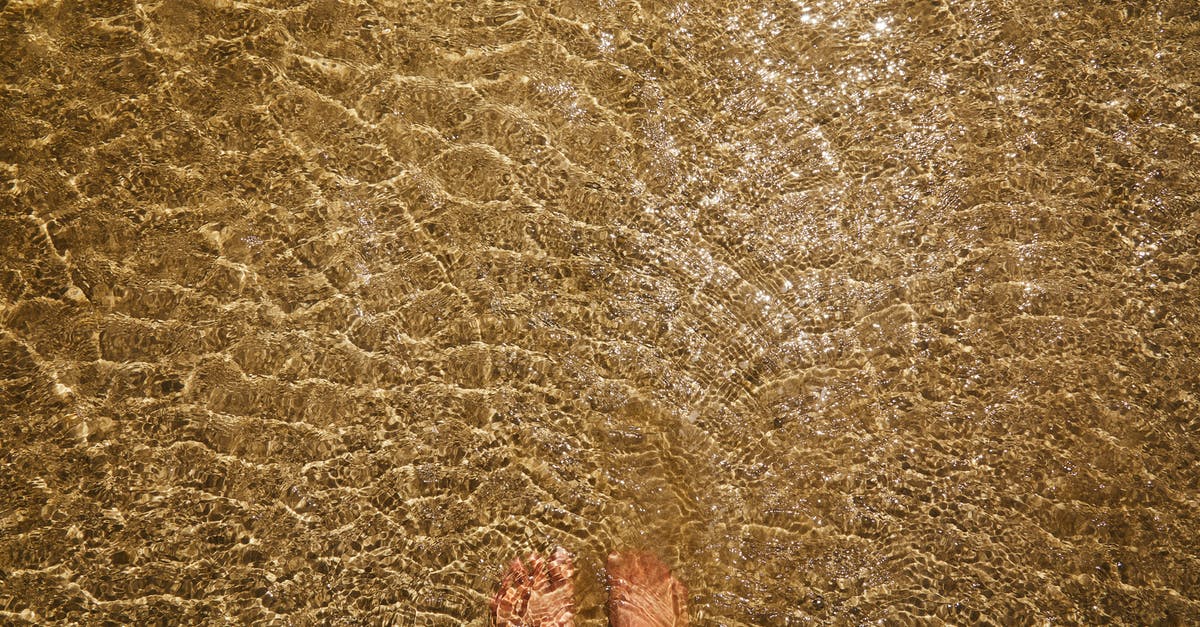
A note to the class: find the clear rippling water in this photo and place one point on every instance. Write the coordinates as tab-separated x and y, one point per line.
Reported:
317	312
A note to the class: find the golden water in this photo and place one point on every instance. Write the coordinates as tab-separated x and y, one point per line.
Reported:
318	312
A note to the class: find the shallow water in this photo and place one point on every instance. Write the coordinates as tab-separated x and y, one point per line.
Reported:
319	312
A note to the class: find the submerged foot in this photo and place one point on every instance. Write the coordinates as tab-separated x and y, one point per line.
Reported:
642	592
536	592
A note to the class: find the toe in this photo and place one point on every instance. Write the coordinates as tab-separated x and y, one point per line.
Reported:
561	568
539	580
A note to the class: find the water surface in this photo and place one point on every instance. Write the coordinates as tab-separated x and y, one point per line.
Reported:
318	312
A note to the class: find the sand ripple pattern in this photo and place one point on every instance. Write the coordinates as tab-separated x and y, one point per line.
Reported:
317	312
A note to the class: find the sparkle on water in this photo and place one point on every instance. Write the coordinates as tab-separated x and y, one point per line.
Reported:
319	311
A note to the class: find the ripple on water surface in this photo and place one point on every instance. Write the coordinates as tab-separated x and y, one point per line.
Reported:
323	311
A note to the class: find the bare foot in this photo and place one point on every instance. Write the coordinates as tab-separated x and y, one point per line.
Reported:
536	593
642	592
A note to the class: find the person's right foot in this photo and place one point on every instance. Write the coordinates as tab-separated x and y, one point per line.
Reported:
642	592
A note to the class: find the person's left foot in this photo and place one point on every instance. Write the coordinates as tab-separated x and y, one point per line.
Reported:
536	592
